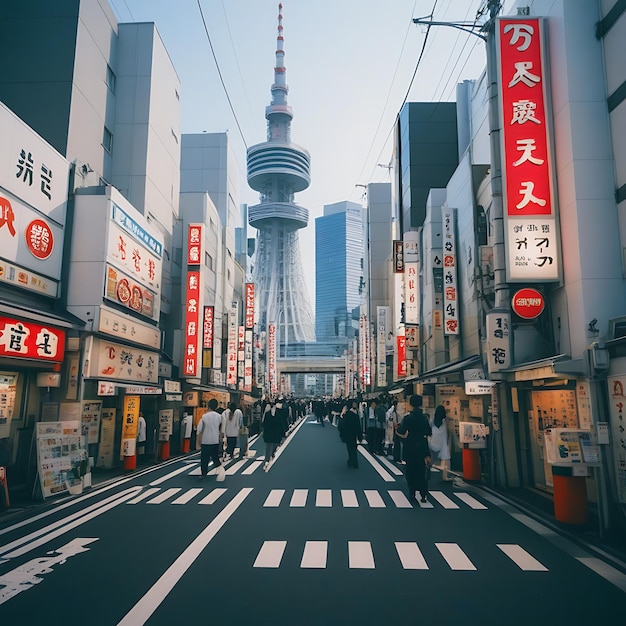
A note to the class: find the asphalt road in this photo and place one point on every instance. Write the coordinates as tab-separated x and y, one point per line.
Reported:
309	542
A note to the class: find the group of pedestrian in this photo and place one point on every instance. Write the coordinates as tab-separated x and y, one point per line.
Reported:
275	425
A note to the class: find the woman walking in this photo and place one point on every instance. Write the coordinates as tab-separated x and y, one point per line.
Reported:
351	433
272	432
414	431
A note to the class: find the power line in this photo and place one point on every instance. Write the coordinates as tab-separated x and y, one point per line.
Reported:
217	65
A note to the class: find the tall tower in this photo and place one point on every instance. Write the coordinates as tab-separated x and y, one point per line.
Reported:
277	169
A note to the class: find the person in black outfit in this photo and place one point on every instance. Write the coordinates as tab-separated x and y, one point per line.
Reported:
414	430
350	432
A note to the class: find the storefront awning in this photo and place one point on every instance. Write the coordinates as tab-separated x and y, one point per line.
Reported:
557	366
43	316
447	368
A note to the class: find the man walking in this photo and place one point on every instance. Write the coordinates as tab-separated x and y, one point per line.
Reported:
208	434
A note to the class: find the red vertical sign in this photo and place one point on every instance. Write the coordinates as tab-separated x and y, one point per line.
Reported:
192	317
401	339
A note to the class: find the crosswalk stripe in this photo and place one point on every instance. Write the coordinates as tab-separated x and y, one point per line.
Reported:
143	495
252	468
443	499
425	505
270	554
521	558
233	469
469	500
276	495
400	500
324	497
188	495
374	499
410	555
360	555
348	498
394	469
455	557
162	497
213	496
314	556
298	498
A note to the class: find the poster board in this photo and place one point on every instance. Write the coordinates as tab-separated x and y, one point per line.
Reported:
130	424
61	456
8	386
166	422
107	438
90	419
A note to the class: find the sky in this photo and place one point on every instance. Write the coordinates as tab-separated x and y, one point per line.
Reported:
351	64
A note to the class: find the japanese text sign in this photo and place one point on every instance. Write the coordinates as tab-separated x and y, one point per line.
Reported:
191	356
249	321
194	244
207	341
450	291
25	340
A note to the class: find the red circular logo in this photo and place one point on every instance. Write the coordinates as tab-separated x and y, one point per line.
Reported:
123	291
39	239
528	303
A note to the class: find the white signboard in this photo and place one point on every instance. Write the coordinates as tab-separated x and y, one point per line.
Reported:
450	289
478	388
382	315
126	327
498	343
108	360
411	293
20	277
532	249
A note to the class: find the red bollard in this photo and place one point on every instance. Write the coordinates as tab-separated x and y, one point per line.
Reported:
130	462
164	450
471	464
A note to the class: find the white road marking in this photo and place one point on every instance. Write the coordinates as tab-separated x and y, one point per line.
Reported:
180	470
607	572
270	554
374	499
386	476
521	558
348	498
187	496
236	467
168	493
144	494
394	469
400	500
314	556
252	468
324	498
410	555
469	500
299	497
213	496
455	557
276	495
360	555
425	505
142	611
443	499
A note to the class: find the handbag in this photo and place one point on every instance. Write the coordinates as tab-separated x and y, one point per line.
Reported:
243	430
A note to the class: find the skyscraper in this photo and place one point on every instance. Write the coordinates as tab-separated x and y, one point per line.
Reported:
278	169
338	268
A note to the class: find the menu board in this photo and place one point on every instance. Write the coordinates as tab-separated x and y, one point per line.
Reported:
8	384
61	455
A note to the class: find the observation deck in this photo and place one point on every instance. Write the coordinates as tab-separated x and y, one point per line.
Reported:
293	216
270	161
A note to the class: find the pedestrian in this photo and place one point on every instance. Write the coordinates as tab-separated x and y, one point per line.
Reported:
272	432
415	430
142	433
370	429
244	430
391	424
350	432
439	441
208	437
380	412
230	421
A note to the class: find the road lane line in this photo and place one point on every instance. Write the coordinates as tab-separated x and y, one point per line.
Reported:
607	572
284	445
410	555
255	466
180	470
31	545
213	496
521	558
455	557
348	498
144	494
400	500
360	555
386	476
187	496
299	497
168	493
394	468
374	499
129	493
324	498
142	611
276	495
443	499
270	554
470	501
315	554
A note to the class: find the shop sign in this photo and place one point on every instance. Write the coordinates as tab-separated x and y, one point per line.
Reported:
171	386
138	390
271	357
411	295
123	290
191	398
247	364
411	246
128	328
531	233
173	397
165	369
194	244
401	355
498	343
137	230
19	277
528	303
109	360
207	337
105	388
478	388
231	354
130	423
398	256
191	356
249	321
26	340
450	289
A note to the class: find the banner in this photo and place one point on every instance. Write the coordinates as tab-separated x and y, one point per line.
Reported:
130	424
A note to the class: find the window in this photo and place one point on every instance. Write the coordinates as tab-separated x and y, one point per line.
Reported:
107	140
208	260
111	79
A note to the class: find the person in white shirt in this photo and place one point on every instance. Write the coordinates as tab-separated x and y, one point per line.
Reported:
231	420
141	436
208	434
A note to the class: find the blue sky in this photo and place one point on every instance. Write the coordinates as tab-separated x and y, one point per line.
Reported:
350	66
